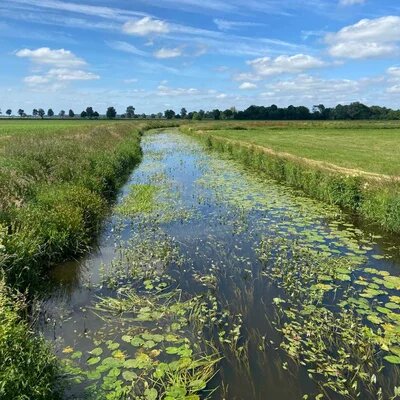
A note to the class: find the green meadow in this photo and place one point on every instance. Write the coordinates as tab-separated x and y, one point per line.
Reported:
371	146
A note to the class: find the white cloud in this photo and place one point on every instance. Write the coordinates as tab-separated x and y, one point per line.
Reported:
34	80
163	90
59	58
64	66
393	89
266	66
59	75
64	74
168	53
308	90
367	38
351	2
394	72
145	26
247	86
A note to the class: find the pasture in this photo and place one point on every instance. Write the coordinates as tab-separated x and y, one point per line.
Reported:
370	146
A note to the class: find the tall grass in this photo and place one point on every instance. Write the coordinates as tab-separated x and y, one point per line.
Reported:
377	202
28	369
55	188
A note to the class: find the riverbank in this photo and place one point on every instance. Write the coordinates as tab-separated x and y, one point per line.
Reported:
57	183
373	196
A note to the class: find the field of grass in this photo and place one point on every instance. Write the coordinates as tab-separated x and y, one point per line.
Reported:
368	146
351	164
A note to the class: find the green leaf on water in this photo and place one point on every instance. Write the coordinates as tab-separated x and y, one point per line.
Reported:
113	346
129	376
126	338
392	306
151	394
76	355
93	360
393	359
96	352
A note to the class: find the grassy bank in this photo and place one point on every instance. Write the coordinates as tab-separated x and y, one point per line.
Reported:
56	182
322	160
28	369
54	190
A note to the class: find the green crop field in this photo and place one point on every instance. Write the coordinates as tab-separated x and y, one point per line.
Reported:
368	146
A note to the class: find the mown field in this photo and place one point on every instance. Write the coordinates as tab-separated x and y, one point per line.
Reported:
351	164
367	146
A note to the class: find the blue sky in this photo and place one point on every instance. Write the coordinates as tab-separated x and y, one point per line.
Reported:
198	53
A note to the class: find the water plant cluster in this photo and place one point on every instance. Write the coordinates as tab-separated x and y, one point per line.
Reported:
337	318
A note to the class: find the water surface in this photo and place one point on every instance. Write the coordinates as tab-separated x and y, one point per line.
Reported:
214	214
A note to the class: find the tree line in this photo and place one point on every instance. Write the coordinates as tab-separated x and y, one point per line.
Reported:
353	111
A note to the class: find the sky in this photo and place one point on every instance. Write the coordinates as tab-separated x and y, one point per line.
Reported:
197	54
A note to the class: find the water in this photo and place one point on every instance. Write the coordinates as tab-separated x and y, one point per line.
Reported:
213	214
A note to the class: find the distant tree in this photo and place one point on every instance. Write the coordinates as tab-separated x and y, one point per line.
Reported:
130	112
21	112
84	114
228	114
96	115
216	114
71	114
169	114
196	116
50	113
41	113
89	112
111	113
159	115
35	112
143	116
153	116
61	114
358	111
9	112
183	112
